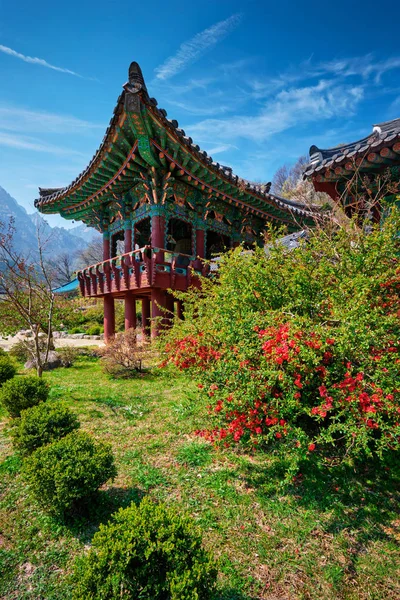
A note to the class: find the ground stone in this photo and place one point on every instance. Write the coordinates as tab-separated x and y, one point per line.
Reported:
53	361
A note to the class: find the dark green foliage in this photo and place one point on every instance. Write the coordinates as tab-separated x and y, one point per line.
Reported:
150	552
41	425
68	471
7	369
298	351
23	392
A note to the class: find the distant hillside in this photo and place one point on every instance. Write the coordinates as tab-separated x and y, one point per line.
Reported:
58	240
88	234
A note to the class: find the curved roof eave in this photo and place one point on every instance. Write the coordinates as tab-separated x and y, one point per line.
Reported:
386	134
136	85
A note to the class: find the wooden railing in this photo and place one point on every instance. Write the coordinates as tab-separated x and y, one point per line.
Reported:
144	268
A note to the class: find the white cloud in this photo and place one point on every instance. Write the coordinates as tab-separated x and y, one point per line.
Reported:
28	143
201	111
364	67
221	148
193	49
20	119
289	108
395	105
36	61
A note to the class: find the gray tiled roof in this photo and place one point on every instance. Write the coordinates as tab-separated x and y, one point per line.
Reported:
384	135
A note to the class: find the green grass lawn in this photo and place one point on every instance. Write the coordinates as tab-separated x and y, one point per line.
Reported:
333	534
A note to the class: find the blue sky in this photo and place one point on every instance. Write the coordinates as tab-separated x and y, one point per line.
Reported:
254	83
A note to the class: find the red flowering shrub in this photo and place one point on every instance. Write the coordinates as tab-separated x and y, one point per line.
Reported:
301	350
191	351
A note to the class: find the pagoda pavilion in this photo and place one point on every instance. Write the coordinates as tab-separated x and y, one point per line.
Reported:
350	171
162	205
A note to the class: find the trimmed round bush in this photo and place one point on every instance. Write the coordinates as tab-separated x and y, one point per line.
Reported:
76	330
41	425
68	471
94	330
7	369
150	552
23	392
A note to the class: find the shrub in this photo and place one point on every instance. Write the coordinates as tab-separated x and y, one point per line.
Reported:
7	369
68	355
150	552
124	356
23	392
41	425
76	330
3	352
94	330
68	471
298	351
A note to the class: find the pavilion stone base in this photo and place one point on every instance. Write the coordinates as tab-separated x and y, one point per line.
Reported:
158	310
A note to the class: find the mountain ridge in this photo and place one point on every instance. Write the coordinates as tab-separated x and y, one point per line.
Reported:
58	240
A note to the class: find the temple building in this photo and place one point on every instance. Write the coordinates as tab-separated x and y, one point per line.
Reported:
162	205
360	174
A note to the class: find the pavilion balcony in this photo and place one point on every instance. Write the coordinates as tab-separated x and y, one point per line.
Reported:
139	271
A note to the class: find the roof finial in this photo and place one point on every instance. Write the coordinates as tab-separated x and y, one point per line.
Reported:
136	79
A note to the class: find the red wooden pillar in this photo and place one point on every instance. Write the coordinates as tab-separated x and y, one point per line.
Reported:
106	245
200	243
128	239
146	316
200	248
158	303
158	234
109	318
170	307
130	312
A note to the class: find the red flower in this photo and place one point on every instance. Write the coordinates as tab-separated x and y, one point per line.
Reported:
311	447
297	381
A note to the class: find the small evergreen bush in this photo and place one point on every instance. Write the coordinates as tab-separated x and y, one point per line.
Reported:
41	425
68	471
23	392
76	330
7	369
150	552
94	330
